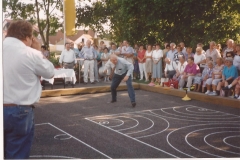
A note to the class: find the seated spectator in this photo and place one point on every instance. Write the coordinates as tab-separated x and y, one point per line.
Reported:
228	75
236	60
199	57
200	76
216	77
207	79
188	53
189	73
180	67
237	88
170	68
212	52
178	53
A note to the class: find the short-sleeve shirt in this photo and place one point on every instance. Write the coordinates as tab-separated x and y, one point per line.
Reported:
157	54
217	69
236	61
214	54
141	55
199	58
192	69
149	54
230	72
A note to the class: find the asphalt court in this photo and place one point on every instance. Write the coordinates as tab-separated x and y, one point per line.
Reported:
161	126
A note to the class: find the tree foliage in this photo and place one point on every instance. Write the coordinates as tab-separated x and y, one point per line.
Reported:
151	21
47	25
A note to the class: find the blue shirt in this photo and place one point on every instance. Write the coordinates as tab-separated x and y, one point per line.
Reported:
87	53
230	72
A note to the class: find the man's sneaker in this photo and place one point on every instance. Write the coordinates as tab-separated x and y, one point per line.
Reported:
151	84
213	94
207	92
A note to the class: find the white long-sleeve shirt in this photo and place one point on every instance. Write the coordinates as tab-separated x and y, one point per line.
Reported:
22	68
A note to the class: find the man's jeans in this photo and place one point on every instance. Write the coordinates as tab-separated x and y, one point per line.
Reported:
18	131
115	83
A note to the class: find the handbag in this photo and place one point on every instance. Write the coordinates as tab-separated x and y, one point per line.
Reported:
171	82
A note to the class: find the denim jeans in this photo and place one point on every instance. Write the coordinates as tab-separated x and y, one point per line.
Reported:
18	131
115	83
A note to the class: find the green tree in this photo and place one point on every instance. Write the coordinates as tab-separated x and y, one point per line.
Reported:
151	21
47	26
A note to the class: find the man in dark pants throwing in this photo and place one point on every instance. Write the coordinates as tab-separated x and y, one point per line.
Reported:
122	71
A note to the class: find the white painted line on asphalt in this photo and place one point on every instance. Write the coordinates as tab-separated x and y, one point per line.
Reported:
224	140
133	139
41	124
51	156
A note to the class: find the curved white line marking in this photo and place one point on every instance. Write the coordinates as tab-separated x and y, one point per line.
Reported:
211	111
196	117
200	116
56	137
80	141
224	140
204	140
134	139
189	127
168	124
143	129
52	156
118	124
130	127
217	147
188	119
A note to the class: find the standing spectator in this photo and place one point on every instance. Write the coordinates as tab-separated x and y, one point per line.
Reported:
135	62
67	58
172	51
120	49
148	56
229	47
201	45
180	67
228	75
199	57
189	73
141	62
23	64
189	53
184	49
157	65
89	56
218	47
216	77
127	51
75	50
115	50
122	71
96	63
45	52
212	52
105	57
178	53
165	51
236	60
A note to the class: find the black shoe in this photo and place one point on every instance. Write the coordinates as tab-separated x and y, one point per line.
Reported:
112	101
133	104
225	88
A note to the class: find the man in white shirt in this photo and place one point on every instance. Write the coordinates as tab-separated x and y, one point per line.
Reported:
172	51
67	58
229	47
170	68
89	57
199	57
23	65
212	52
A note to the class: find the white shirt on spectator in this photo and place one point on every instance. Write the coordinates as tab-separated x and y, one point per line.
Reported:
148	54
227	50
157	54
236	61
67	56
171	53
22	68
214	54
171	66
181	67
199	58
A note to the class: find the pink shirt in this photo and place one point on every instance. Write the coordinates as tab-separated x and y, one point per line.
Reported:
141	55
194	69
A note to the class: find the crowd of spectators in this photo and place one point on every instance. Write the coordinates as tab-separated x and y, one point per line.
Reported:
213	72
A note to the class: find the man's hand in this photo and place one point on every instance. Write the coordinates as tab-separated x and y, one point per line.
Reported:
125	78
35	44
